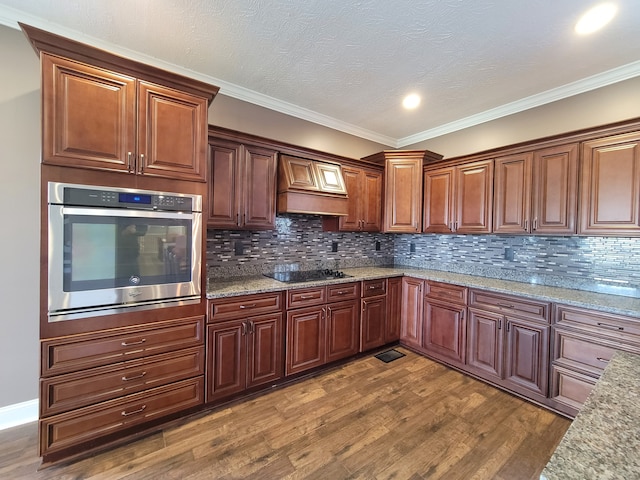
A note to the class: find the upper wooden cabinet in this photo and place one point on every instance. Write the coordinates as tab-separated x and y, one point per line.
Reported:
364	202
458	198
103	119
610	186
536	192
242	186
402	188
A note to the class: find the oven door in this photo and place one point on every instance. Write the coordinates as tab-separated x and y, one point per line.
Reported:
102	259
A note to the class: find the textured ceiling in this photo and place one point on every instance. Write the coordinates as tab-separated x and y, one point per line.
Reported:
348	64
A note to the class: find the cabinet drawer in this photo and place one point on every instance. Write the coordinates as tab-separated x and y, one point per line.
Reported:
75	390
373	288
508	304
447	292
80	352
570	389
604	325
343	291
305	297
581	352
244	306
90	423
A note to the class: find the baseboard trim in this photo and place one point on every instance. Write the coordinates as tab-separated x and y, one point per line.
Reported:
18	414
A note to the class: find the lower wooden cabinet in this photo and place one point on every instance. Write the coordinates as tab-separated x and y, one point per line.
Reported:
322	332
373	323
412	303
242	354
394	309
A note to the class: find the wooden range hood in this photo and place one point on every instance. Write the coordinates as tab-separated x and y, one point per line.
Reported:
311	187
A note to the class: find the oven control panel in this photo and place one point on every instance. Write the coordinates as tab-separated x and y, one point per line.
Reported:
85	197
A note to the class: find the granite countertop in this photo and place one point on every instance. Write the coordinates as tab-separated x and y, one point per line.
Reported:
603	442
623	305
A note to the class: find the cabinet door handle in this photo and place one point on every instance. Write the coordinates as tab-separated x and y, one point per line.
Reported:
244	328
307	297
500	324
237	219
508	325
130	344
612	327
374	287
535	223
242	307
130	162
340	292
140	410
135	377
141	162
526	225
456	226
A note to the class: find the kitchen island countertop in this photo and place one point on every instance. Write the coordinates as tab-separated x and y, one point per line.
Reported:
603	441
229	287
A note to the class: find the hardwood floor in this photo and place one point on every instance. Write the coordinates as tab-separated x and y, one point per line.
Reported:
408	419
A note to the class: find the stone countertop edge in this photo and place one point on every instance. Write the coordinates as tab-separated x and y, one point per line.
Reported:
603	442
603	302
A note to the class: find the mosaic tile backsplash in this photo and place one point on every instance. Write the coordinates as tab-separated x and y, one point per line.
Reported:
608	264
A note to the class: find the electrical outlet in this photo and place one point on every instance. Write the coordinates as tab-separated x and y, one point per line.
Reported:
334	246
238	248
412	247
509	254
377	245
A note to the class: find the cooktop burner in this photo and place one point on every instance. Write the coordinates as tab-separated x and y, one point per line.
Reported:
306	275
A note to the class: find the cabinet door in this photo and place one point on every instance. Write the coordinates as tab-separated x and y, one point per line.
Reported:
352	179
259	188
484	345
343	329
224	184
527	356
555	190
305	339
89	116
411	327
474	196
371	201
403	195
265	349
444	331
512	199
226	359
172	133
610	186
394	309
372	330
438	201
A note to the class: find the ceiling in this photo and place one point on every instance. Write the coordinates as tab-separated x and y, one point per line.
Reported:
348	64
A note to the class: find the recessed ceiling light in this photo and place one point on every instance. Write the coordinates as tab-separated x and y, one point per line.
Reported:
596	18
411	101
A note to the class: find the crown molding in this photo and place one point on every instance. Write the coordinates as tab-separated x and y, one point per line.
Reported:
600	80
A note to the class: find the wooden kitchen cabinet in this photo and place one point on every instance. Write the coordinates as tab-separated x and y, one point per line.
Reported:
394	309
104	119
321	331
610	186
536	192
242	186
458	199
244	344
444	324
373	317
412	304
364	203
508	342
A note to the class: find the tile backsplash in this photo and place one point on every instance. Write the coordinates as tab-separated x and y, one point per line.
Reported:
298	241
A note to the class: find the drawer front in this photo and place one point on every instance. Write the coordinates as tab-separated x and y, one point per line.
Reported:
306	297
76	390
87	424
81	352
604	325
580	352
569	389
343	291
241	307
374	288
510	305
447	292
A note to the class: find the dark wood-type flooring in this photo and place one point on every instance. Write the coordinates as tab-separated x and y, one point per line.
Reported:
408	419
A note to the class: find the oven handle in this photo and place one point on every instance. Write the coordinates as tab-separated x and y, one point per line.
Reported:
129	213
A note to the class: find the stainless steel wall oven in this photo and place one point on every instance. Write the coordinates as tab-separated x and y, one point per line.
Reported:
114	249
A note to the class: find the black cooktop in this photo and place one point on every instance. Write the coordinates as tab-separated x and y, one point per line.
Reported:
306	275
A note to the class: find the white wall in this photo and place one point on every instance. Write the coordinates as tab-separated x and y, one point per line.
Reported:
20	226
